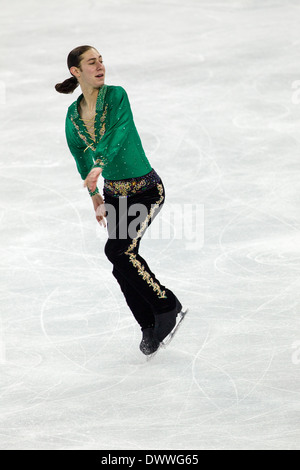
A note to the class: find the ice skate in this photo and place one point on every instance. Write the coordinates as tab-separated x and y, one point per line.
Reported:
149	344
180	317
166	322
168	338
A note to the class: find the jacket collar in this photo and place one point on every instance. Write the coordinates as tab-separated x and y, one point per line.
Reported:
99	103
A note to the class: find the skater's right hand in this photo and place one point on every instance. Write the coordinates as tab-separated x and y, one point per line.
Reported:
92	178
99	209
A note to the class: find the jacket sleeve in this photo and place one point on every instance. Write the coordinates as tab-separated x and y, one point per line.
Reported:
119	123
84	160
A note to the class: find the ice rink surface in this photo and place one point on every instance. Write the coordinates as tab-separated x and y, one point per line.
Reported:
214	88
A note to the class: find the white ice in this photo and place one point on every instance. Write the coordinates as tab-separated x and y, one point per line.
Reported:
214	87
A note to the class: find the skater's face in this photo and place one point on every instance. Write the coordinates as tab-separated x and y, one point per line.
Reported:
91	71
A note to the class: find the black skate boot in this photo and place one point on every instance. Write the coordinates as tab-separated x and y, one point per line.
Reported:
166	322
148	344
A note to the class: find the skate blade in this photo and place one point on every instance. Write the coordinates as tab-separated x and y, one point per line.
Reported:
151	356
181	315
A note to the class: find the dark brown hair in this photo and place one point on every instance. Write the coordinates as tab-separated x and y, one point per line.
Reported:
73	60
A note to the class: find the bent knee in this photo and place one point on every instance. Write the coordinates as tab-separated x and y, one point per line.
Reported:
114	252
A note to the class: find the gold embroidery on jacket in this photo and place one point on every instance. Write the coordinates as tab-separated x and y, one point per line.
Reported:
132	256
83	137
100	162
102	120
101	132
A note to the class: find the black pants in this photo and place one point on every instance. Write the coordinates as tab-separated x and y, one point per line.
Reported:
143	292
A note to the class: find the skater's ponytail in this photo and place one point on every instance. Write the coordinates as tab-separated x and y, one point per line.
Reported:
74	59
68	86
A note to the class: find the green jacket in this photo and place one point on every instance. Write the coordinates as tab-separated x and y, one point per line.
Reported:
118	148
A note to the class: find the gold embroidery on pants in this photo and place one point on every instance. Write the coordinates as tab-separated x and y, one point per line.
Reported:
124	188
132	257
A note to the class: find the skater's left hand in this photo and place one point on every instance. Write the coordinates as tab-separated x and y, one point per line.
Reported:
92	178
